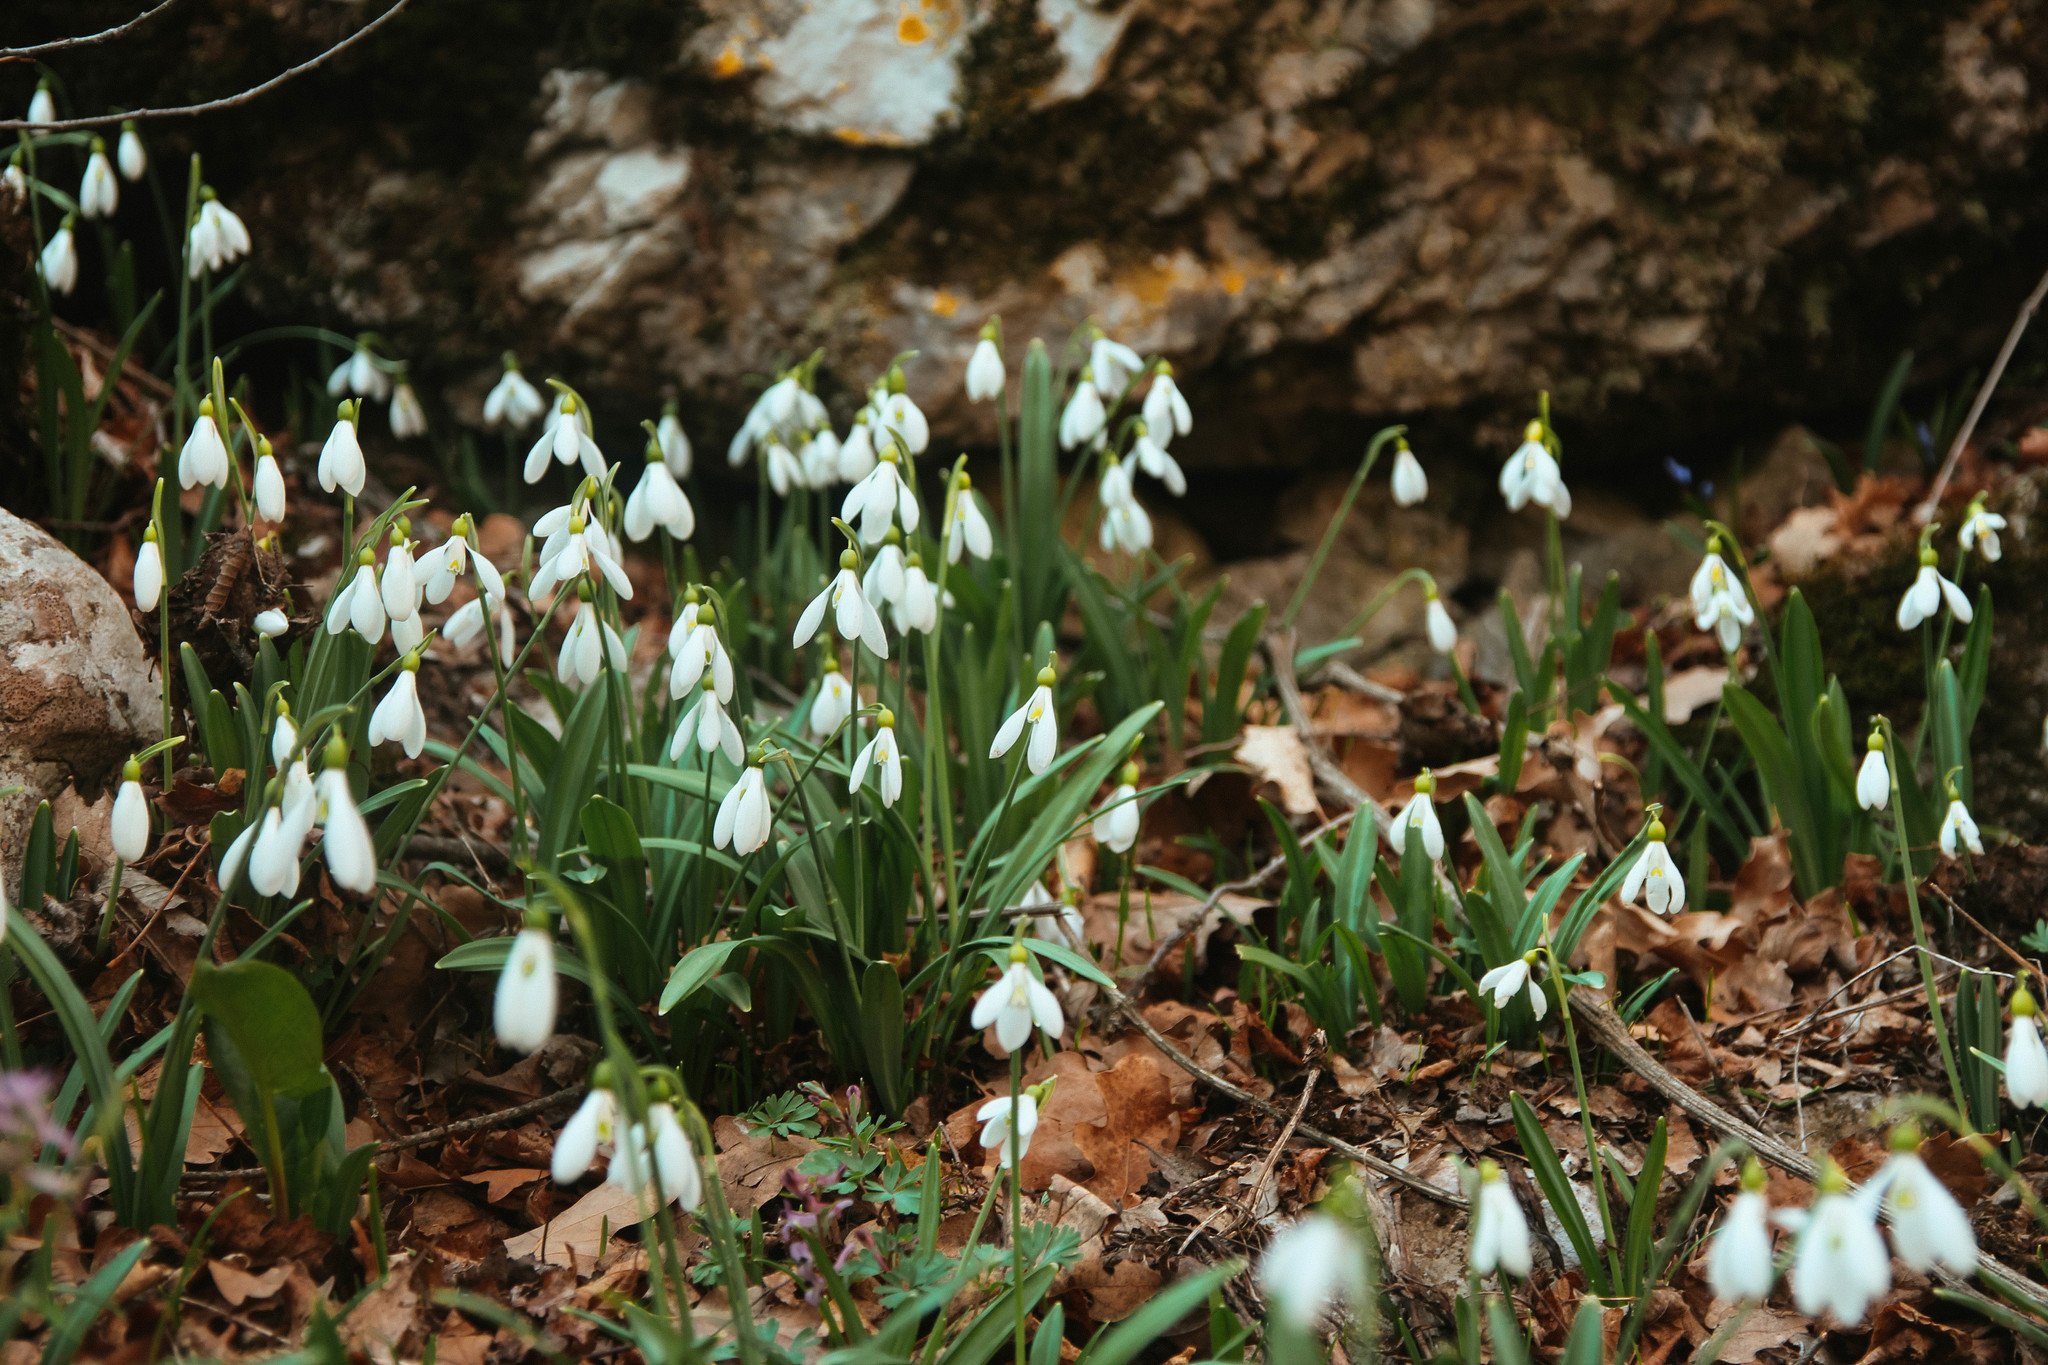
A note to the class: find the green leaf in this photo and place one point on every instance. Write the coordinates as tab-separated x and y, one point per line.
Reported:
694	972
1559	1193
1068	958
573	778
270	1018
1220	709
881	1018
1124	1342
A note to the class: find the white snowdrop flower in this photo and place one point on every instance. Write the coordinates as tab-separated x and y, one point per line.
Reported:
1514	978
883	581
1083	419
447	562
398	584
1166	411
1739	1261
897	416
1841	1263
1113	364
149	571
852	613
357	604
1531	475
658	501
1054	928
512	401
1042	716
707	724
1873	779
996	1126
1153	459
665	1160
1500	1231
270	503
1655	877
777	406
42	106
523	1008
566	439
274	860
881	754
1311	1267
237	857
586	648
1420	812
351	856
14	179
1126	526
1410	485
1928	592
130	825
1929	1228
204	458
594	1124
700	651
819	459
399	718
883	493
785	471
2026	1060
408	418
1981	528
1116	827
857	451
129	153
408	633
1437	624
99	194
834	702
674	442
573	546
284	735
359	374
1017	1001
967	526
272	623
916	608
341	458
59	261
1957	828
218	237
744	818
985	374
469	621
1718	602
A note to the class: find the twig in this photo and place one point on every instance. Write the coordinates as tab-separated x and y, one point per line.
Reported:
410	1140
104	35
448	850
1345	675
2026	968
228	102
1279	647
1308	1088
1925	512
1713	1065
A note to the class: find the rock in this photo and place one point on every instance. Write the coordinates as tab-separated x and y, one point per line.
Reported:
77	694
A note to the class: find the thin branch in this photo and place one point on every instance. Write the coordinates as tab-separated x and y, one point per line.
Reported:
104	35
230	101
1926	510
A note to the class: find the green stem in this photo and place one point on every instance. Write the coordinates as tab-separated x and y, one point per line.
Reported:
1571	1046
1017	1199
1315	564
1935	1017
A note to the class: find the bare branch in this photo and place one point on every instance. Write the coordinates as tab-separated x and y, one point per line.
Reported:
229	102
60	44
1925	512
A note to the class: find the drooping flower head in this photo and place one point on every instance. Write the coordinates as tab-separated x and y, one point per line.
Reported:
1958	830
2026	1060
853	615
99	194
1500	1230
203	461
1312	1266
1719	603
1531	475
985	376
1929	590
881	754
341	458
130	824
149	571
512	401
129	153
1116	827
1436	620
1739	1261
1874	779
1165	410
1410	485
1841	1264
523	1007
1042	716
1420	814
1514	977
1980	529
1655	877
1016	1003
1929	1228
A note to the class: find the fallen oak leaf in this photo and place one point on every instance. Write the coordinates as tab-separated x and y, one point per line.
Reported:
576	1236
238	1286
1276	754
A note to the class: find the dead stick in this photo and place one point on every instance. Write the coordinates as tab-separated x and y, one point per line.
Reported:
446	1130
1925	512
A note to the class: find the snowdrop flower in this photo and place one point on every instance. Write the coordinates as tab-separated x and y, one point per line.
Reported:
1928	592
708	724
1116	827
1083	418
523	1009
698	651
408	418
675	445
657	501
59	261
1929	1228
1039	713
896	415
1958	828
129	154
1055	927
1500	1231
852	613
131	816
587	647
2026	1060
1981	528
1410	485
100	192
883	492
1166	411
42	106
1126	525
916	608
218	237
567	440
272	623
512	400
398	584
834	702
594	1124
576	543
985	374
446	564
351	856
204	458
1436	620
1531	475
399	718
1841	1264
744	818
274	860
1154	460
1655	877
1113	363
819	458
881	754
284	735
341	458
1509	979
1718	602
359	374
237	856
470	618
358	604
1739	1262
1312	1266
966	526
785	471
1873	779
270	504
857	451
995	1118
1420	812
149	571
1016	1002
664	1160
883	581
